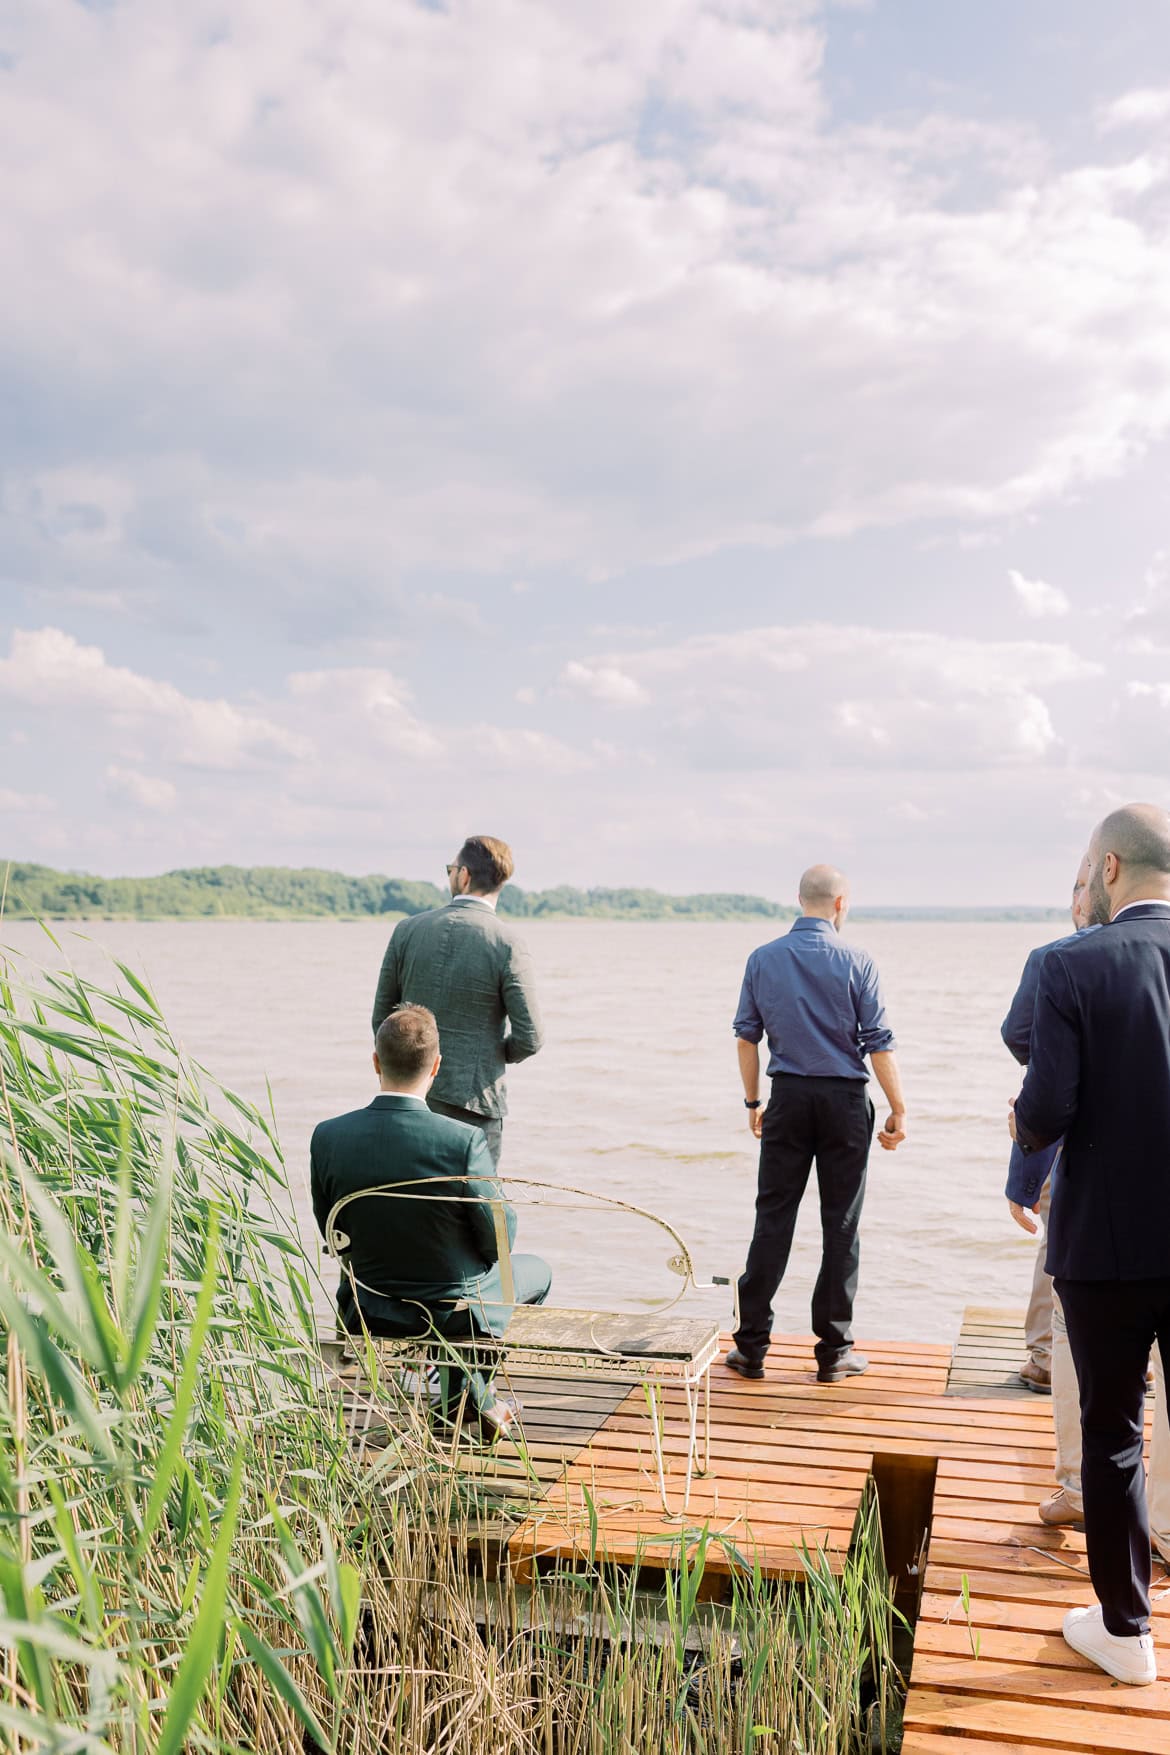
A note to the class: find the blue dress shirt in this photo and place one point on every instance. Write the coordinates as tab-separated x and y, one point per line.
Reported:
819	1001
1029	1171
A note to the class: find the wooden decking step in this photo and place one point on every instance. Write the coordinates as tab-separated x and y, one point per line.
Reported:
957	1448
988	1355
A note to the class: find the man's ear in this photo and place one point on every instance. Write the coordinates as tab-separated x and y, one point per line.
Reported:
437	1065
377	1067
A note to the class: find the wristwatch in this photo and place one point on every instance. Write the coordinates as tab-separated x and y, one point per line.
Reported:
753	1103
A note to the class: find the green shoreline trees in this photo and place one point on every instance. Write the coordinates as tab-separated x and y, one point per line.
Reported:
272	892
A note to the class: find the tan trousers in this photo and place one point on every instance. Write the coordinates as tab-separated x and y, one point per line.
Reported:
1038	1319
1066	1417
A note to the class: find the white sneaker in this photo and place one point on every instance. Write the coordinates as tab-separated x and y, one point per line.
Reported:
1129	1657
421	1383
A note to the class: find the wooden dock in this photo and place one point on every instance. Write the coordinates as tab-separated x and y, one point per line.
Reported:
961	1456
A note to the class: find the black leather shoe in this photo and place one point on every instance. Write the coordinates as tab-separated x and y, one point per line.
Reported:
848	1365
737	1361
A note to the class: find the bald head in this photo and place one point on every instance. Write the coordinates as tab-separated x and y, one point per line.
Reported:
824	892
1129	858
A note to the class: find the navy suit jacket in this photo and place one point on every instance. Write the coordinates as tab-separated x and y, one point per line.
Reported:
1099	1074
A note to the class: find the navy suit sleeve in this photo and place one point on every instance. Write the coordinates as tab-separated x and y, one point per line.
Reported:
483	1185
1048	1101
322	1205
1028	1172
1016	1029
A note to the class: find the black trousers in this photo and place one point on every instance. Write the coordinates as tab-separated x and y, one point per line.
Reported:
491	1126
1112	1328
831	1121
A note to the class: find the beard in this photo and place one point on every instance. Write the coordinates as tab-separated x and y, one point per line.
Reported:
1100	908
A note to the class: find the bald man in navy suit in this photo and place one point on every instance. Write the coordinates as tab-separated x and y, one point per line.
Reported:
1099	1075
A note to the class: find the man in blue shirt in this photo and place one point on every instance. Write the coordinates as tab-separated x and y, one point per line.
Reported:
819	1002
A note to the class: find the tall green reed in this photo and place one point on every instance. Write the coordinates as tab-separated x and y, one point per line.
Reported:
193	1552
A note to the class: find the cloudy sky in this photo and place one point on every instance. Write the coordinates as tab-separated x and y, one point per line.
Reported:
687	438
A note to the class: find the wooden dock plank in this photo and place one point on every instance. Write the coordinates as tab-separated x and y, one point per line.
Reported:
790	1463
1042	1722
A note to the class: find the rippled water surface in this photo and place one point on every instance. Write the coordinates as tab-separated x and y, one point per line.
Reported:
636	1094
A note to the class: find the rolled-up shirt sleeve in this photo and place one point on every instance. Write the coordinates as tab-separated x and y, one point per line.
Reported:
874	1035
748	1022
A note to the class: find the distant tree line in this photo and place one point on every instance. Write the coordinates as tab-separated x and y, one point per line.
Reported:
274	892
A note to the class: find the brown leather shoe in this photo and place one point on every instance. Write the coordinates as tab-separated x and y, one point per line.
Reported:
1036	1377
500	1418
1059	1509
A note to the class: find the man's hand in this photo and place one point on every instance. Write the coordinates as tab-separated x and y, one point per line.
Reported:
756	1121
1021	1216
1012	1131
893	1132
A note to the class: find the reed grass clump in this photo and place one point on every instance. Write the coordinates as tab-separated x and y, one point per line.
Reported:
194	1555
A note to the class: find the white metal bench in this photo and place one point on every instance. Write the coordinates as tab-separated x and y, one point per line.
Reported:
655	1349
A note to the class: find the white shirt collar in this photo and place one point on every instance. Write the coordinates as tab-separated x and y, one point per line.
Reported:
1143	902
488	901
411	1096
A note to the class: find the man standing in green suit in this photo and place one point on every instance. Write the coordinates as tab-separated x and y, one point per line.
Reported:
473	971
417	1256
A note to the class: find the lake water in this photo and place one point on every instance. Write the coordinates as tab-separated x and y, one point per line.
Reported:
636	1094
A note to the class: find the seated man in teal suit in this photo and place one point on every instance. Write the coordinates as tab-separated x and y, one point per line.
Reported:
417	1259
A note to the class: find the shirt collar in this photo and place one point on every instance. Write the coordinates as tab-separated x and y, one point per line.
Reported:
812	923
484	901
402	1096
1143	902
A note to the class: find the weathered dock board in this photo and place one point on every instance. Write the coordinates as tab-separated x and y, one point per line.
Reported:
789	1466
988	1354
960	1466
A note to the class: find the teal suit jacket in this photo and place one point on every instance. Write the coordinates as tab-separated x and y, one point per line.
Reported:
410	1251
472	969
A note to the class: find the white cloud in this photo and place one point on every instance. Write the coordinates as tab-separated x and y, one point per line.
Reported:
1037	598
48	669
604	682
521	752
373	708
22	803
411	303
1148	621
1143	108
763	749
147	791
814	694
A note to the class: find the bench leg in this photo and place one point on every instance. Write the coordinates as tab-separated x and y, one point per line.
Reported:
656	1422
707	1421
692	1438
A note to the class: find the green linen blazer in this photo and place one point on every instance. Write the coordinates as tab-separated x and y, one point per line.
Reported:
474	972
427	1251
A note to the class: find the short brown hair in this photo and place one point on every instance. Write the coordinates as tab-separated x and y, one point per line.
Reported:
407	1042
488	862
